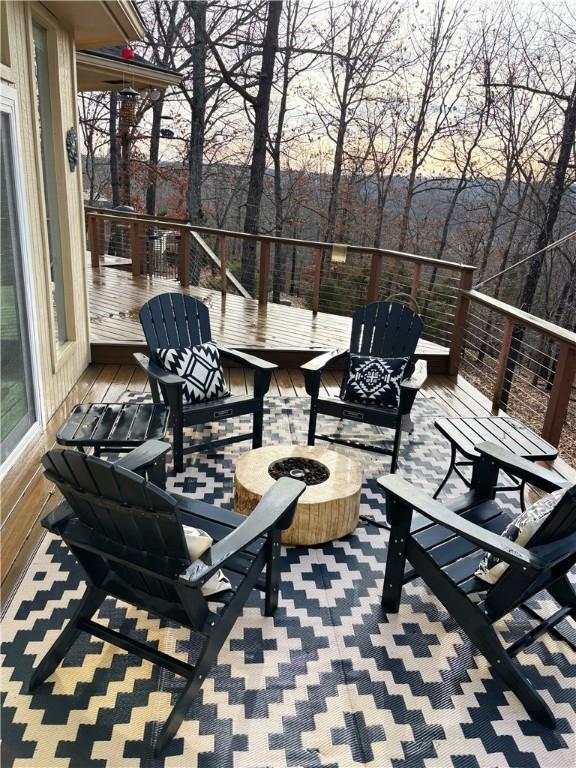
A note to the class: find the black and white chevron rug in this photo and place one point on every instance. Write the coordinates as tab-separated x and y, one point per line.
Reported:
329	682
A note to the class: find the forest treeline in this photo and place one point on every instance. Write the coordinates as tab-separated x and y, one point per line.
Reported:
442	128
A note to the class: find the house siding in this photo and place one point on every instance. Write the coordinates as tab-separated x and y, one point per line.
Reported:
58	369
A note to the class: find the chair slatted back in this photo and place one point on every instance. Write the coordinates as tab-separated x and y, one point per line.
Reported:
174	320
126	512
511	588
385	329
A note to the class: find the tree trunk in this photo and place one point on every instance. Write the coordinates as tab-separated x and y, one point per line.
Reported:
258	166
337	169
196	156
557	189
113	128
157	108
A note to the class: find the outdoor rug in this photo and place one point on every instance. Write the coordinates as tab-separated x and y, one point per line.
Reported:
329	682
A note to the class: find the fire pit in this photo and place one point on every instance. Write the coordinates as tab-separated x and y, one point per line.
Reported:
329	507
309	471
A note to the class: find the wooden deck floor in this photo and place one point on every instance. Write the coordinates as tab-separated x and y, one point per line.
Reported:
116	298
27	496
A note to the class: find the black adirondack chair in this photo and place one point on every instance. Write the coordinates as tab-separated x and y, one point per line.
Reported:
175	320
445	551
127	536
382	329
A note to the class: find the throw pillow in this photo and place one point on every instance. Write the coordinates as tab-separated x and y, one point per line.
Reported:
520	530
200	367
373	380
197	542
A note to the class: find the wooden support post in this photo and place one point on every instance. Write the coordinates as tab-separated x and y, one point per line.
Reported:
136	249
317	276
93	237
184	258
264	276
502	364
416	279
459	323
374	281
222	257
560	394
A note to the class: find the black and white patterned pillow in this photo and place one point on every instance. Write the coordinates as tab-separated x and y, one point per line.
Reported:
197	542
200	367
373	380
520	530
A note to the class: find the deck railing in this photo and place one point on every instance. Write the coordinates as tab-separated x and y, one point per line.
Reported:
304	273
478	330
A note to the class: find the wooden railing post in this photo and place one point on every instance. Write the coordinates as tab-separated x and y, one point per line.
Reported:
222	257
135	249
459	324
374	281
317	276
502	364
184	258
264	276
94	240
559	399
416	280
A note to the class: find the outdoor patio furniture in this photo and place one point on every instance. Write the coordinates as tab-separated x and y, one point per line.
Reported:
382	330
117	428
464	434
445	552
127	535
177	320
329	507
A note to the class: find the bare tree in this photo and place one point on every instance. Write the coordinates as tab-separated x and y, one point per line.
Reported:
440	65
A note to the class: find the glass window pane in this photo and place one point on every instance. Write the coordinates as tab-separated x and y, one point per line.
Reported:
16	397
44	103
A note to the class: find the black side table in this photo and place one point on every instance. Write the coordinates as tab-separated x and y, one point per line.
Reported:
117	428
464	434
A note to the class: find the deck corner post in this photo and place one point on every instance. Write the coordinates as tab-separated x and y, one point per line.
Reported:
559	399
502	364
459	323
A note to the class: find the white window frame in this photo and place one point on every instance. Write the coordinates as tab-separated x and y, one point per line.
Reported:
8	102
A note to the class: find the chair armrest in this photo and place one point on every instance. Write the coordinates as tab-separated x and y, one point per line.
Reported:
312	370
556	551
248	361
417	500
143	456
418	378
317	364
156	372
275	509
521	468
54	519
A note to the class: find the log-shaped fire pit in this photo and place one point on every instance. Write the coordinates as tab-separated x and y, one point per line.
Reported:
329	507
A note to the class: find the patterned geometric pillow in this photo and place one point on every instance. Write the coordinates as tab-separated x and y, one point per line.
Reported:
200	366
373	380
197	542
519	530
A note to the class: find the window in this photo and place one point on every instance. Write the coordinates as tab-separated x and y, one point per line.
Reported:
17	403
44	105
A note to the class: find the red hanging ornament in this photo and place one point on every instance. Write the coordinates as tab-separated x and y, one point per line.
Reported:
127	52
